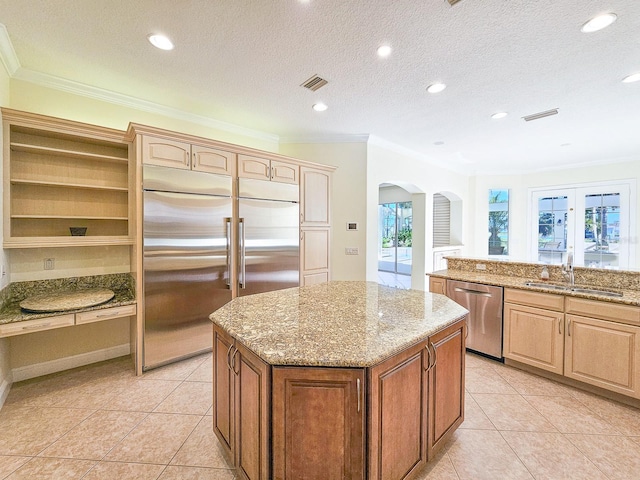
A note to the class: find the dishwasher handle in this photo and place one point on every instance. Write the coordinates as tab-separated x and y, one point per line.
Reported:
473	292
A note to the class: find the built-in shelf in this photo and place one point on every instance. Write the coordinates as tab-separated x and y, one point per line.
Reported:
64	174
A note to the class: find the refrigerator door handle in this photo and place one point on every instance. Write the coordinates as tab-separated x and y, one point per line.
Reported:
243	263
227	222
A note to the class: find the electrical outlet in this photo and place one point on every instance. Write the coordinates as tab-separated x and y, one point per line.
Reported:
49	263
481	266
351	251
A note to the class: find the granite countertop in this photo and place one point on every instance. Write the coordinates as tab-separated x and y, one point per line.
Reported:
513	280
10	311
335	324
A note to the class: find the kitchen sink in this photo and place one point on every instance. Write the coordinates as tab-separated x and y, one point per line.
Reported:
567	288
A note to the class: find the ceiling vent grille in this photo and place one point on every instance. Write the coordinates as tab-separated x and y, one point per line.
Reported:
536	116
453	2
314	83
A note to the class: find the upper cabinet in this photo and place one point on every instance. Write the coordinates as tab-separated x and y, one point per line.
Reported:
59	175
267	169
187	156
315	194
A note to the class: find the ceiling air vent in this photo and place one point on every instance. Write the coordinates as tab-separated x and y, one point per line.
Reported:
314	83
536	116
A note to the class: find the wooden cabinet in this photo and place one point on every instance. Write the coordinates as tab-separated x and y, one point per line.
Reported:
446	385
533	335
438	285
398	414
60	174
315	197
37	325
268	169
315	225
67	320
416	403
318	423
314	256
600	351
591	341
173	153
241	413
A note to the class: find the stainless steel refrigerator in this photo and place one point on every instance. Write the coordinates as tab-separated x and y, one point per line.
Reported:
268	236
187	257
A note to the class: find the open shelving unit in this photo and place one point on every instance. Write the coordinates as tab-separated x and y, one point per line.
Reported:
60	174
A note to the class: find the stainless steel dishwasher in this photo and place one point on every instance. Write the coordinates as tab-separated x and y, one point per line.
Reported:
484	303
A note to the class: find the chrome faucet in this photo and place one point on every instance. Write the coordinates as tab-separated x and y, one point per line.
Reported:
567	270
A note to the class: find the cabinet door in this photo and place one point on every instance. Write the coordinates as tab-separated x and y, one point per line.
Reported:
398	415
252	414
254	167
285	172
534	336
438	285
212	160
318	423
166	153
223	390
446	385
603	353
314	255
315	194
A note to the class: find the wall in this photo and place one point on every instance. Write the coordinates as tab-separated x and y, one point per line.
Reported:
348	201
519	186
420	178
5	364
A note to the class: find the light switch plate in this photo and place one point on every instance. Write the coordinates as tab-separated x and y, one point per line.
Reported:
351	251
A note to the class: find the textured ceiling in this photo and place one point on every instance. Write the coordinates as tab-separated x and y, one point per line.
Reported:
242	62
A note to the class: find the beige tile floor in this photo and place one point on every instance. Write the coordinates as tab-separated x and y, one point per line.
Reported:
102	422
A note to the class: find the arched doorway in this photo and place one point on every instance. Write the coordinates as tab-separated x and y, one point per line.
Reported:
397	234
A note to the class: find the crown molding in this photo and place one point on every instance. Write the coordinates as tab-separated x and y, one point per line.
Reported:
7	53
329	138
96	93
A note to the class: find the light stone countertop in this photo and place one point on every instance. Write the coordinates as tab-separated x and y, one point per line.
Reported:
335	324
629	297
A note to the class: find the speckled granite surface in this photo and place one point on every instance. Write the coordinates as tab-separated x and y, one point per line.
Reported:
341	324
122	284
516	274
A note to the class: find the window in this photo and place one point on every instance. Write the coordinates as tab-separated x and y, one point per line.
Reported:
498	222
593	222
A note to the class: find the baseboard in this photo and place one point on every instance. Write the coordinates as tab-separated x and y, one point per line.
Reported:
4	391
60	364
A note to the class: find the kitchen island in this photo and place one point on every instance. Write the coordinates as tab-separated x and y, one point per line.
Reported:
338	380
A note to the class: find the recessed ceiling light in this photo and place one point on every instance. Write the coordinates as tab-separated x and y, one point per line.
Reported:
438	143
635	77
384	51
436	87
319	107
599	22
499	115
160	41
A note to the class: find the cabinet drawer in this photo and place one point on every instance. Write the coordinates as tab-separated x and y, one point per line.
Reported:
547	301
603	310
105	314
38	325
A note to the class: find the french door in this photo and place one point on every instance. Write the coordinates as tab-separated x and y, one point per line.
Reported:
395	237
592	222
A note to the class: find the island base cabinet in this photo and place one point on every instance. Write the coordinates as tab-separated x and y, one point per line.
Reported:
617	369
241	406
398	415
318	423
446	385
